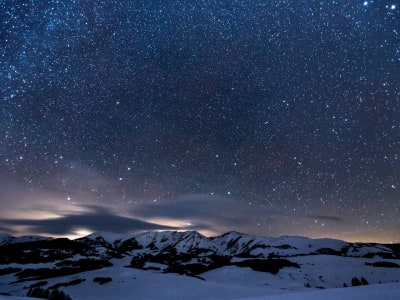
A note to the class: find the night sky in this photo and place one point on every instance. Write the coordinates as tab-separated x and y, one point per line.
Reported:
266	117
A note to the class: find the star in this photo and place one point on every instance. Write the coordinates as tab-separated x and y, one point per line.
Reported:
290	108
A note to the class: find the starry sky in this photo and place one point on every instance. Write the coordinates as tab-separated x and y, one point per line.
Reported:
266	117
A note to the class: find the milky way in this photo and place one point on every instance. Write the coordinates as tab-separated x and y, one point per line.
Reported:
268	117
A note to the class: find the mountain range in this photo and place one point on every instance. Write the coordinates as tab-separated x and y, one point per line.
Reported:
282	263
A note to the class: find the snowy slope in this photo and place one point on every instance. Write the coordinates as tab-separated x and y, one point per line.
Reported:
382	291
188	265
181	241
236	244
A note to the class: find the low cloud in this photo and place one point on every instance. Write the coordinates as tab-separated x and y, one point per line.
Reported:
96	219
204	212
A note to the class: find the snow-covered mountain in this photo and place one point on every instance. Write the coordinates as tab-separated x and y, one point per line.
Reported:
256	264
182	242
228	244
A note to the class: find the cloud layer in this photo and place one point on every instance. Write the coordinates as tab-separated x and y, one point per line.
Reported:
95	219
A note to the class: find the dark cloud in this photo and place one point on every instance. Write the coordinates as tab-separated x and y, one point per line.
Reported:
203	209
96	219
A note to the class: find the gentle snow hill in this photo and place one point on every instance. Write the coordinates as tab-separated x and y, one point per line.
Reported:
390	291
236	243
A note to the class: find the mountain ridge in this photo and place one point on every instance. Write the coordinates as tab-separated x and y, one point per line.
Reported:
303	262
229	244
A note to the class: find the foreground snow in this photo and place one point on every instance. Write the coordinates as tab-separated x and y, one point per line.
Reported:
225	283
390	291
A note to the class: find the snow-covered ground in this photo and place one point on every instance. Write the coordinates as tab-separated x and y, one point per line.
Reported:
231	282
320	276
389	291
239	283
